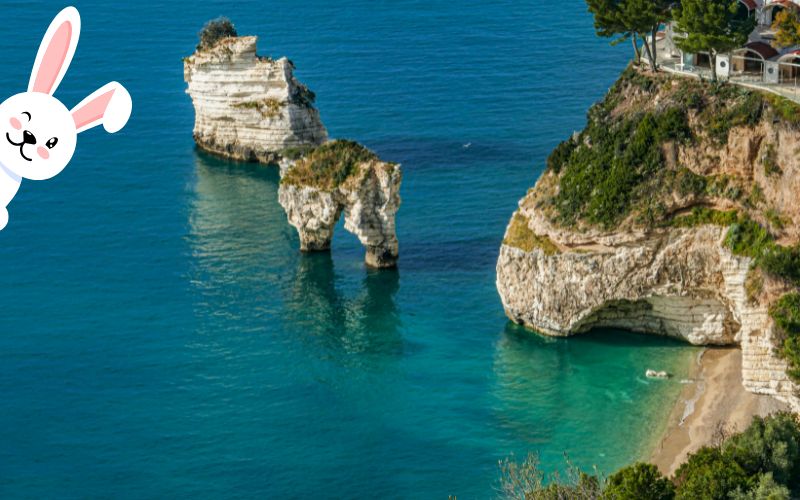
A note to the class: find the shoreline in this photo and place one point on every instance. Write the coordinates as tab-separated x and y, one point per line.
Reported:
711	403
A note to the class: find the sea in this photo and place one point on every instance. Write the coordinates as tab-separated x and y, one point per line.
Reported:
161	335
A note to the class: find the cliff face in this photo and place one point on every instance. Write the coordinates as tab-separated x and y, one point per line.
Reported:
342	176
660	217
248	107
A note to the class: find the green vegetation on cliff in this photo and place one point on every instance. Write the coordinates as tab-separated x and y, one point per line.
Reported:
625	165
762	462
519	235
329	165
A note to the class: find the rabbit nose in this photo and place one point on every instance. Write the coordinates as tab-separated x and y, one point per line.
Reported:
28	138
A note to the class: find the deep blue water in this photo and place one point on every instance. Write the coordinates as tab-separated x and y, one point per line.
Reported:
163	336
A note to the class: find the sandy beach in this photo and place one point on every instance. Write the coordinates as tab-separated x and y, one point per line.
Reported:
713	399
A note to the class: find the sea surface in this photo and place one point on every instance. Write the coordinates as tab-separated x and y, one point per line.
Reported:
161	335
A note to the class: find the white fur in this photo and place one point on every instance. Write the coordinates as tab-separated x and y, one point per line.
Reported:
44	118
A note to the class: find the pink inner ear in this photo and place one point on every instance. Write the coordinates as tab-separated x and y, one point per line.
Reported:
53	59
92	111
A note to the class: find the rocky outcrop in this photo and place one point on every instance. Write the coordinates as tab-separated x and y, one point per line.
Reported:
249	107
666	263
315	197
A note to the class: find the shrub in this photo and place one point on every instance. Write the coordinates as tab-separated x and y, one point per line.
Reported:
745	111
747	238
622	169
765	489
214	31
638	481
560	155
786	314
710	475
782	262
329	165
526	481
769	445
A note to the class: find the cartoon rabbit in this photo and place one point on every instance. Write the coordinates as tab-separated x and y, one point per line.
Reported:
40	133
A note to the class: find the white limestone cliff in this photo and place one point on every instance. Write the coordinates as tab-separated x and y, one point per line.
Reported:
663	279
248	107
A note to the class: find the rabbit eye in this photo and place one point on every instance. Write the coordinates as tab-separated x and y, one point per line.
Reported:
51	143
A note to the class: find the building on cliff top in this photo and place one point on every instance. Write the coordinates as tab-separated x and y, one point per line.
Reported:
759	63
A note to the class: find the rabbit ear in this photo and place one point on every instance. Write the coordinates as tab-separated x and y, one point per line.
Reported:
55	52
110	105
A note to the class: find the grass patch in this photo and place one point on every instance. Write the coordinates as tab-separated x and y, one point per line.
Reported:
703	216
520	236
784	108
329	165
744	110
269	107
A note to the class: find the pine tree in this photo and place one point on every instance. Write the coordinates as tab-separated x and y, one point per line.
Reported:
631	20
712	26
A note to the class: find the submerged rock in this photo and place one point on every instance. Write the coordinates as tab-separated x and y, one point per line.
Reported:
248	107
654	218
343	176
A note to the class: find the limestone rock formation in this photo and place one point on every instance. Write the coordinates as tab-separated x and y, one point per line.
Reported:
656	218
249	107
342	176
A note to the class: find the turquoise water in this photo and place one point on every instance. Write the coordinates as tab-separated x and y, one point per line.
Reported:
163	336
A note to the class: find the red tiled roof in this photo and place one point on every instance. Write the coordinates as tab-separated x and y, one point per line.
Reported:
751	4
764	50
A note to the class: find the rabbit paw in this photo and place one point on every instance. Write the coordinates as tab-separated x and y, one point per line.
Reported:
3	218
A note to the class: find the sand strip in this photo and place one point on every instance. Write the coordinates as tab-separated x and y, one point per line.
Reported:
713	398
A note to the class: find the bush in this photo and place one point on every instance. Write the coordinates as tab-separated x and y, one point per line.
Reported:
329	165
782	262
710	475
786	314
747	238
766	489
623	167
560	155
526	481
769	445
214	31
638	481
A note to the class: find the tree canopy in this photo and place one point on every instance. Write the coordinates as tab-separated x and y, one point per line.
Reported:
712	26
787	29
631	19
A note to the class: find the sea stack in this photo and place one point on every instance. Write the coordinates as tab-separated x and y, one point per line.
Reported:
249	107
252	108
674	212
343	176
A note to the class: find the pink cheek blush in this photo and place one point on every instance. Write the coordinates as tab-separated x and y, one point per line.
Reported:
45	154
15	123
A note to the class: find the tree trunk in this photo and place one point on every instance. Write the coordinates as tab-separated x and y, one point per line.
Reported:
636	52
647	50
655	48
713	57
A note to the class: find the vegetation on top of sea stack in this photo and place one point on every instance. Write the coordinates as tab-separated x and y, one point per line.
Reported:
762	462
214	31
329	165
